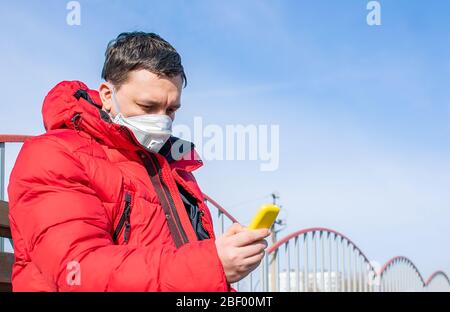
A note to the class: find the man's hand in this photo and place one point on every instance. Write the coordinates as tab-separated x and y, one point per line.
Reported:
241	250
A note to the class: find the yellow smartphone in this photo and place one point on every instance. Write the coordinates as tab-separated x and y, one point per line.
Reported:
265	217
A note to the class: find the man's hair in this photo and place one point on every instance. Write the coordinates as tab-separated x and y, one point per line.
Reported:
140	50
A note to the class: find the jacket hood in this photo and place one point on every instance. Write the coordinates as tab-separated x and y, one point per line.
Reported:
72	105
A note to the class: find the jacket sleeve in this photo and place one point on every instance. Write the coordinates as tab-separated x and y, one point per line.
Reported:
66	233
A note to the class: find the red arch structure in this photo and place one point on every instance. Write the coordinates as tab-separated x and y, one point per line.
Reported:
285	239
407	276
434	276
391	265
400	259
438	281
343	275
314	236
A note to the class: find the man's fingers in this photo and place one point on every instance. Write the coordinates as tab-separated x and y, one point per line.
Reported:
248	237
254	261
234	229
253	249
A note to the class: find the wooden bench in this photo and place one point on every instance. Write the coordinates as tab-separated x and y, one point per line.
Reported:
6	258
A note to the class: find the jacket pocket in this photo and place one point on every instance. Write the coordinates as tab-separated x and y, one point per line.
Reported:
124	225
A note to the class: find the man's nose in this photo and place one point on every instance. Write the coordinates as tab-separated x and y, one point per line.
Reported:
164	111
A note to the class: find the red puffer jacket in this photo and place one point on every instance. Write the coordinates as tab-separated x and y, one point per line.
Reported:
91	210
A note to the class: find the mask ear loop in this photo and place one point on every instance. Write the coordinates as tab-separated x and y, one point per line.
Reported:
114	99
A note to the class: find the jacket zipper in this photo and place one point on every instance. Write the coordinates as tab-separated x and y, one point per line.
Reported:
124	221
76	121
172	207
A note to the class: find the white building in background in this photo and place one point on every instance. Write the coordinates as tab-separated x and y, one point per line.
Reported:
331	281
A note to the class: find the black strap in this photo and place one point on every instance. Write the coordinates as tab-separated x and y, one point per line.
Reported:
175	227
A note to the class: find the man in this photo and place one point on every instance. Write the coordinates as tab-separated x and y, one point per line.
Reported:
105	200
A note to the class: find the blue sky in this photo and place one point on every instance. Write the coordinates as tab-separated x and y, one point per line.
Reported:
363	111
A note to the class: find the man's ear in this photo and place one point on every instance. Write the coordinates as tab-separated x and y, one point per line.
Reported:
105	92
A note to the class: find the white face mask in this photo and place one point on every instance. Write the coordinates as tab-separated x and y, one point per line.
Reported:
151	130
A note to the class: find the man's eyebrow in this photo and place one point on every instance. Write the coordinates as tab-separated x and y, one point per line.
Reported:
155	103
148	102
